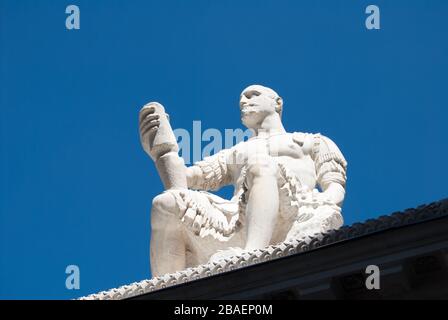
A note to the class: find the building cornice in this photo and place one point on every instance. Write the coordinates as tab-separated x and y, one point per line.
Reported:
395	220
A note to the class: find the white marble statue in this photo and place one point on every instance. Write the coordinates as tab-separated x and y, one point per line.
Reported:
275	175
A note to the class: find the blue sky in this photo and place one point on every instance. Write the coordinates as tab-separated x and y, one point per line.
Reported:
76	187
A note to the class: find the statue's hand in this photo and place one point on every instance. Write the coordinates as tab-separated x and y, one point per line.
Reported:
314	203
314	198
324	199
149	124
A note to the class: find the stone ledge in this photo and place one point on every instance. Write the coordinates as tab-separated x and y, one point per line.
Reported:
301	246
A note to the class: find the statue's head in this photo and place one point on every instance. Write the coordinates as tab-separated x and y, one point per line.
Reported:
258	102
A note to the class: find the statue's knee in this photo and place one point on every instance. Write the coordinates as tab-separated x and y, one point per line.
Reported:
260	166
164	204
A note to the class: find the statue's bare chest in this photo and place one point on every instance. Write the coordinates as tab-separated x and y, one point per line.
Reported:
275	146
284	149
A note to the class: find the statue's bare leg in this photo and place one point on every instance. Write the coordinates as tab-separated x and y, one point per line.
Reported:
263	202
168	244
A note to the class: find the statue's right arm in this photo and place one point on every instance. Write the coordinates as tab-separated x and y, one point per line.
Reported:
211	173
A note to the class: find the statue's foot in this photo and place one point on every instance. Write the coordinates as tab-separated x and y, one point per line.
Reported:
226	254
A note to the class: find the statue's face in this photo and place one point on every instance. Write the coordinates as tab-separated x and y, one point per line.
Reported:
256	103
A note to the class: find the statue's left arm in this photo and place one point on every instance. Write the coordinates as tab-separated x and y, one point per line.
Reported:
331	168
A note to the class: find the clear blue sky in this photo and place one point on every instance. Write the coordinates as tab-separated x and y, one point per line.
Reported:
76	187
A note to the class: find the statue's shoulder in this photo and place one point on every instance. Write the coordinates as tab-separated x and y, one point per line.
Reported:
305	140
319	147
301	137
240	145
